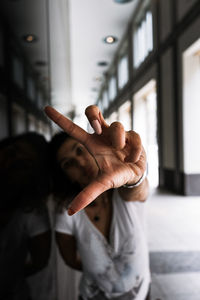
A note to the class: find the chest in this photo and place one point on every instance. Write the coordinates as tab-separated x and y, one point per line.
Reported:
101	218
111	257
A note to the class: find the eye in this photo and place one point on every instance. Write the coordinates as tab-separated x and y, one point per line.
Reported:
67	164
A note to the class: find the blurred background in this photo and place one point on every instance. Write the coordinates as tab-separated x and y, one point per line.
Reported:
139	61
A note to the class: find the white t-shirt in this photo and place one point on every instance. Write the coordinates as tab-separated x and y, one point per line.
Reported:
120	267
13	251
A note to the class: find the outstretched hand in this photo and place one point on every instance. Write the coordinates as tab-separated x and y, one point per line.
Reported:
119	155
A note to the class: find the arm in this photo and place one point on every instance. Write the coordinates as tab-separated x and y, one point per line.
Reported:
119	156
68	250
139	193
39	248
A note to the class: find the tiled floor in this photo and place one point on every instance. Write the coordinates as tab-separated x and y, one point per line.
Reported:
173	226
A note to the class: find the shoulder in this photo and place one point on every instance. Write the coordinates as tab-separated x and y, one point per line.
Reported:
36	221
67	224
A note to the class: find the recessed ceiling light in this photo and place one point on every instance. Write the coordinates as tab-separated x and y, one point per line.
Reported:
122	1
102	63
30	38
98	78
110	39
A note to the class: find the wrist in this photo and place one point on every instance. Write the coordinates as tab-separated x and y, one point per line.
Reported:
130	186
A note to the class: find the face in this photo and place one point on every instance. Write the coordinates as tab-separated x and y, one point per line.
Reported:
76	162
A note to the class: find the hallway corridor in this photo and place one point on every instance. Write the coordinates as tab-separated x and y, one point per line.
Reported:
173	226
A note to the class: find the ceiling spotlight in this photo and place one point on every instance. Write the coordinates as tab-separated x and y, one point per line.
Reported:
98	78
102	63
30	38
122	1
110	39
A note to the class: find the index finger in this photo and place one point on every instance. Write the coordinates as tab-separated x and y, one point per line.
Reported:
67	125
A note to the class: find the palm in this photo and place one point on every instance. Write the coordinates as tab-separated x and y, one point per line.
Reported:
118	154
114	170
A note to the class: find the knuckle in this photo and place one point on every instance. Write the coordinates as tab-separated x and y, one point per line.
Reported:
90	109
71	127
117	125
135	136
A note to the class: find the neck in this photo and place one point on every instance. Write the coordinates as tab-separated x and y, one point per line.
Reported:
99	209
101	199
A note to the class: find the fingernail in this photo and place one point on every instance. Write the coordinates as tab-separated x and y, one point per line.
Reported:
70	211
96	126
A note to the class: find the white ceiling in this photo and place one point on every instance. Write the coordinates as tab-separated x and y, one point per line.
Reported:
25	17
90	22
77	29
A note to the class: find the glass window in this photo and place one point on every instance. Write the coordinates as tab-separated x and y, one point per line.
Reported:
31	88
112	118
124	115
32	123
47	132
18	72
123	71
40	127
40	99
18	120
112	89
100	106
143	39
149	26
105	100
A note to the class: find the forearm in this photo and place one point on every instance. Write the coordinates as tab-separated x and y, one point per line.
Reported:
39	249
139	193
68	250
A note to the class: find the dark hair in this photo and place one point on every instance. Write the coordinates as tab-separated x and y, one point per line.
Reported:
63	188
31	192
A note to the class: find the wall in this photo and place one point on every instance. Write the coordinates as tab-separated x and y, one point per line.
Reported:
189	98
165	17
20	86
176	26
183	6
167	110
191	109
